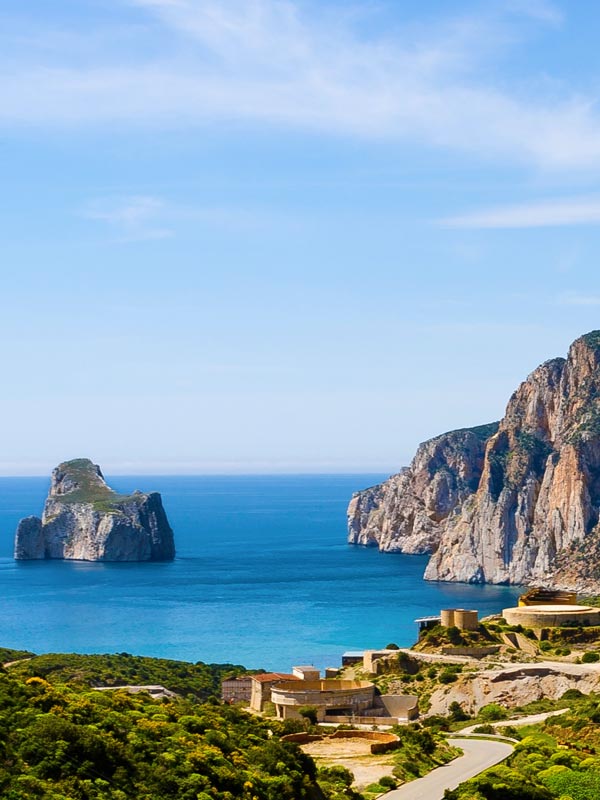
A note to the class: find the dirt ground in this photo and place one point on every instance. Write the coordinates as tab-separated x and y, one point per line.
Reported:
355	755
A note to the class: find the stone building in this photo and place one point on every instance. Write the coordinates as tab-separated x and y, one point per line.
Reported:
336	698
236	690
262	685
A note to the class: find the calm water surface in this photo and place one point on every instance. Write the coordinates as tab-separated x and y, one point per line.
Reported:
263	577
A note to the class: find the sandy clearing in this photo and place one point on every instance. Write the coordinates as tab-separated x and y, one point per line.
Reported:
355	755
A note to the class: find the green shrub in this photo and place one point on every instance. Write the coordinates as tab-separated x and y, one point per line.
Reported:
447	676
590	657
571	694
437	722
492	713
456	712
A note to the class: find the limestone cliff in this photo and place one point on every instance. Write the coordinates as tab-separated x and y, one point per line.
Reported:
534	516
408	512
84	519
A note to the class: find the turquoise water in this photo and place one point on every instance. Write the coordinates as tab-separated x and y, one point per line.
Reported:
263	577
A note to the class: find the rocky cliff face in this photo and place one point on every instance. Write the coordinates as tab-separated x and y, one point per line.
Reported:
534	515
409	512
84	519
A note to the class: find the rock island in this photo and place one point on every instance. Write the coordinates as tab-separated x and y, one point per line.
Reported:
85	520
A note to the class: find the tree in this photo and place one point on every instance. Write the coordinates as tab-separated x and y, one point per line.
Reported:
456	713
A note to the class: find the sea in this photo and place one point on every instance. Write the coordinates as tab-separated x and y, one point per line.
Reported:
263	577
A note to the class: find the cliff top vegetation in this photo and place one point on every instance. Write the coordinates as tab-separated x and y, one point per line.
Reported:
81	481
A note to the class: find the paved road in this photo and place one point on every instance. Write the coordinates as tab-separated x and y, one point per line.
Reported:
519	721
478	755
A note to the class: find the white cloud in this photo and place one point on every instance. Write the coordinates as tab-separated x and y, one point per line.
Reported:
545	214
146	217
136	218
536	9
267	62
574	298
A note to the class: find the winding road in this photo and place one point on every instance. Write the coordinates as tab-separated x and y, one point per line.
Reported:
478	755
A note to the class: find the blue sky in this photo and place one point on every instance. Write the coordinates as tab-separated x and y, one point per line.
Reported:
284	235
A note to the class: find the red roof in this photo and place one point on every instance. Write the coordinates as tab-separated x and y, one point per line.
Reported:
274	676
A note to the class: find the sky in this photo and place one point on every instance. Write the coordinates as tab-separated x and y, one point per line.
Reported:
244	236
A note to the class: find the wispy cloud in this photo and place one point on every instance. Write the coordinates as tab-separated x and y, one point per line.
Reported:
136	218
575	298
269	62
545	214
144	217
541	10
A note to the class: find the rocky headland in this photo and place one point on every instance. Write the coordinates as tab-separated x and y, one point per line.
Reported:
85	520
513	502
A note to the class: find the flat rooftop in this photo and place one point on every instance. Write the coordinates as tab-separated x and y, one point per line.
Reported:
550	608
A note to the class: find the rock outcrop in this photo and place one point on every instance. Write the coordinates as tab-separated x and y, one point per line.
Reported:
514	686
408	512
534	514
84	519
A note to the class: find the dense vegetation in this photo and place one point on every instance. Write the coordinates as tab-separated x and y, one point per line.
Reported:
198	680
61	742
560	759
7	654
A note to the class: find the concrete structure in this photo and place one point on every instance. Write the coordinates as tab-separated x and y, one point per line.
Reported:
547	597
425	623
471	652
236	690
552	616
352	657
331	672
447	617
462	618
155	690
370	657
329	697
307	673
402	707
262	685
466	619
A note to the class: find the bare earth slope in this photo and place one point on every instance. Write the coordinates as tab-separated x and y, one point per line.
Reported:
534	513
84	519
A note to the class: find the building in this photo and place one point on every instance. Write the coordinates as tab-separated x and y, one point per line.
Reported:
547	597
308	673
552	616
237	690
426	623
462	618
261	687
352	657
333	698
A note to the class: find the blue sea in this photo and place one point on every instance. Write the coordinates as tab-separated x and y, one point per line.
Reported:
263	577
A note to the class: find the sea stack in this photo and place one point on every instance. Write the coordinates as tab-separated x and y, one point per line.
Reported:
85	520
515	502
